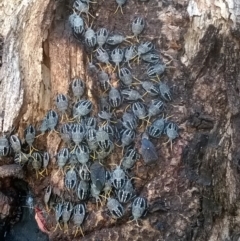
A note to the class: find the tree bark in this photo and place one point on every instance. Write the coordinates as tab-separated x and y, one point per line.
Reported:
194	191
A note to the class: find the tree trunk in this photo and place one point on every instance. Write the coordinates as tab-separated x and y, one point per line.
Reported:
193	192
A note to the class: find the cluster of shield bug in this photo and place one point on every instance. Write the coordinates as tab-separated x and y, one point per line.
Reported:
128	108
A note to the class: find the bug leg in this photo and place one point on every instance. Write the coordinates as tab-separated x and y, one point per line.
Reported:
65	228
117	9
57	225
77	230
44	170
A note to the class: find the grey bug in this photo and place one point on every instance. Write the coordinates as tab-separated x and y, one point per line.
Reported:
91	139
131	94
29	135
148	150
155	108
156	70
129	159
95	192
82	108
78	88
91	123
172	131
156	128
47	195
46	159
144	48
84	173
21	158
130	54
82	154
79	213
52	119
151	88
71	179
76	23
115	208
103	153
4	146
66	214
81	6
117	56
66	133
104	115
62	157
129	121
118	178
103	139
62	103
104	80
139	208
104	105
58	214
128	137
115	39
120	4
102	56
165	91
15	143
108	184
90	37
109	129
98	175
114	97
102	35
139	110
83	190
36	161
73	161
126	193
151	58
77	134
125	76
138	25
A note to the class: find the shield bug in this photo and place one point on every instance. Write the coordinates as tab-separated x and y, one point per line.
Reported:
172	131
114	97
78	88
148	150
165	91
71	179
90	37
115	208
156	128
102	35
98	175
139	208
126	193
129	159
83	190
156	70
138	25
79	213
130	54
118	178
77	23
66	214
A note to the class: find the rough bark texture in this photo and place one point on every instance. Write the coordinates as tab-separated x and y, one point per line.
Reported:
194	191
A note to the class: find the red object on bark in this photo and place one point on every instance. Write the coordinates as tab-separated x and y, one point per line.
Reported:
40	220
